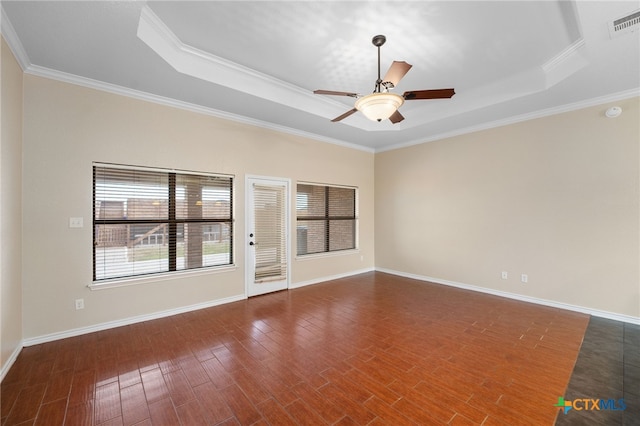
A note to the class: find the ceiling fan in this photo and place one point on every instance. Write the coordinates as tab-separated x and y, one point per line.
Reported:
382	104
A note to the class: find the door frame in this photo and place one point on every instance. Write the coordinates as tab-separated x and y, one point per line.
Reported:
249	269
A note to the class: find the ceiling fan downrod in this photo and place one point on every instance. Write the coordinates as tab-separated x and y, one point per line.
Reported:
378	41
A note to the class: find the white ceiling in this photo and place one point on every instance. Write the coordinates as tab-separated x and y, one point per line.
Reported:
259	62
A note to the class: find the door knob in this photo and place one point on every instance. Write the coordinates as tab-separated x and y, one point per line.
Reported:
251	243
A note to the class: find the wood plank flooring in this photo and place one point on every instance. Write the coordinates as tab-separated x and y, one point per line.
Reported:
371	349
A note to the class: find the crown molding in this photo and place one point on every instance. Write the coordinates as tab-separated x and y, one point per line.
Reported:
13	41
573	49
206	66
137	94
162	100
520	118
568	62
200	64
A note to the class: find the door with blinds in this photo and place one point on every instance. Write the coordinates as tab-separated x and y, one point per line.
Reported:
267	235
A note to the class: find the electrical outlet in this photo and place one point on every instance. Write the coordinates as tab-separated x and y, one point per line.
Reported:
524	278
79	304
505	275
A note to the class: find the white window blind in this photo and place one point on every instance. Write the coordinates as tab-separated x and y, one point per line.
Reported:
270	225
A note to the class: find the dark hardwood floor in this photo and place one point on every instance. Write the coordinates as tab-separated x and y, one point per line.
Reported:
371	349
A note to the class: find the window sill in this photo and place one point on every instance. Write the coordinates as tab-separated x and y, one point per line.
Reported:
148	279
327	254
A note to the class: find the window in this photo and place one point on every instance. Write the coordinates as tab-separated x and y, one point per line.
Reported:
326	218
148	221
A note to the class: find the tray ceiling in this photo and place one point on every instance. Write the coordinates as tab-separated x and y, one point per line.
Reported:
259	62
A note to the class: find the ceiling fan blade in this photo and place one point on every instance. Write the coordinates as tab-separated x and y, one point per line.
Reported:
334	93
397	70
428	94
345	115
396	117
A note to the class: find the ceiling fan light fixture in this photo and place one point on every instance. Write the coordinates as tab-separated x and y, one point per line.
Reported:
379	106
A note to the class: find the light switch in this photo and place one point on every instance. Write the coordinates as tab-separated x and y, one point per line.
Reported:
76	222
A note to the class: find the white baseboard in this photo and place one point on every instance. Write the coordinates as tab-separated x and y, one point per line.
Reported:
329	278
545	302
162	314
9	363
128	321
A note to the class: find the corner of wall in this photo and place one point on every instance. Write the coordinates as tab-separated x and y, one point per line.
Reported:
11	96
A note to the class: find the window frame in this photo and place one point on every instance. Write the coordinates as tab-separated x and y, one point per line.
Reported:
173	223
326	218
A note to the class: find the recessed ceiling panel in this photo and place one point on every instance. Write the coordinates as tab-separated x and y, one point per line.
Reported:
504	58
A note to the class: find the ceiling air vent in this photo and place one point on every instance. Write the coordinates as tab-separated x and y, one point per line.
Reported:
624	25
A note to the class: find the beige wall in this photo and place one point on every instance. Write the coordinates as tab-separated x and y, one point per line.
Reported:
10	208
555	198
67	127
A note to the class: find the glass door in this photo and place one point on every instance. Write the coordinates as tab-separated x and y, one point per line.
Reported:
267	236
